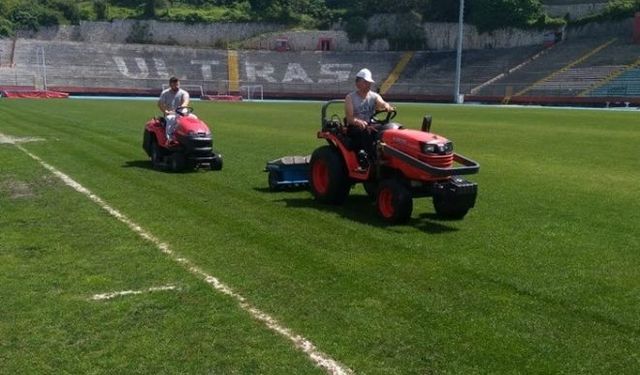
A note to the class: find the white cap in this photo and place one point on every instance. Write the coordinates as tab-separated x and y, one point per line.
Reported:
365	74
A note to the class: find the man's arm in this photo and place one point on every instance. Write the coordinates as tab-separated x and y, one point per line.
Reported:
163	107
185	99
381	105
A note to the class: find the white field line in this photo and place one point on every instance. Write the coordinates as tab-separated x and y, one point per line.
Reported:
110	295
13	140
319	358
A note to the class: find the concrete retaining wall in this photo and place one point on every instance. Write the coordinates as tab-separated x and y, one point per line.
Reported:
575	11
172	33
438	36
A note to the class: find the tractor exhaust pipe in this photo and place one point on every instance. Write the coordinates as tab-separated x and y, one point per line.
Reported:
426	123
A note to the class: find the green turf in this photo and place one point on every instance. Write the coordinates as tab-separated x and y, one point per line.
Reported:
540	277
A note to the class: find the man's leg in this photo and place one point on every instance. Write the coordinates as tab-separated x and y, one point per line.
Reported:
170	126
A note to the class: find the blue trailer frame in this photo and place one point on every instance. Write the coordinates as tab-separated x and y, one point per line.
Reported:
288	171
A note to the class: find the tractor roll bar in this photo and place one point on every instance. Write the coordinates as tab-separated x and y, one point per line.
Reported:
470	166
324	109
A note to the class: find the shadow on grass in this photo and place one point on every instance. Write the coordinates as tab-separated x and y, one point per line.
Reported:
146	164
143	164
287	189
362	209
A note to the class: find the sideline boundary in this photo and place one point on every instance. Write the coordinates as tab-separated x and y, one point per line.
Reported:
320	359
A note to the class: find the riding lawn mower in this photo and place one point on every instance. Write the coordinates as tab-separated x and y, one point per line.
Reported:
191	147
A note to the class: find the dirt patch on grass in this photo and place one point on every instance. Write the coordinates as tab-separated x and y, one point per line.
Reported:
16	189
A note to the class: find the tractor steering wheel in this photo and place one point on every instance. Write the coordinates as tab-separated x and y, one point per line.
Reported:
377	121
184	111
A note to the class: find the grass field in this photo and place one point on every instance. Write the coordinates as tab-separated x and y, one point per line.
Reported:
541	276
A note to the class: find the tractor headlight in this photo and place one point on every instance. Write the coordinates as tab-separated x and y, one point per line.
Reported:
199	134
429	148
435	148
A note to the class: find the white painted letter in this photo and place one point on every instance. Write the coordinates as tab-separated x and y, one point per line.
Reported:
295	71
161	68
122	67
341	75
206	67
253	73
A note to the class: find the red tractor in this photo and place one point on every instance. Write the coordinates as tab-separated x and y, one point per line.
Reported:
407	164
192	147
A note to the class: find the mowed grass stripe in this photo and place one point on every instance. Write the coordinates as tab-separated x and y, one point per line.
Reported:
538	275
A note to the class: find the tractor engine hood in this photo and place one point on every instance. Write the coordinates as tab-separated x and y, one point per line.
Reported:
414	142
191	125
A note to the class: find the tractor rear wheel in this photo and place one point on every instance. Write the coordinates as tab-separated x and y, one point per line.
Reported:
328	176
394	202
156	155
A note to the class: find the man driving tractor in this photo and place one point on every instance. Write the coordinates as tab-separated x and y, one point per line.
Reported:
170	100
360	105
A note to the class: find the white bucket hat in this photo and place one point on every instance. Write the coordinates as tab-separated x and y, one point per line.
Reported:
365	74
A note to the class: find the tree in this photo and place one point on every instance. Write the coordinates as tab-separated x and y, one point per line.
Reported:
101	8
150	7
489	15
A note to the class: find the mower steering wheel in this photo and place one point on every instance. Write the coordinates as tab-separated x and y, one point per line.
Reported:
184	111
390	115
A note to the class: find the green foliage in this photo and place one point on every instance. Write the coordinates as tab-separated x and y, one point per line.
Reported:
409	34
6	27
356	29
615	10
238	12
288	11
101	9
31	15
443	11
151	7
69	9
489	15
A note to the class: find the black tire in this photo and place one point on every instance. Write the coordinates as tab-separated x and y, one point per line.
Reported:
157	155
216	163
177	162
328	177
371	188
449	209
394	201
273	181
147	141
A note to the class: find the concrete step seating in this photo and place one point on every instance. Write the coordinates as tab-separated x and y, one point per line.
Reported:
626	84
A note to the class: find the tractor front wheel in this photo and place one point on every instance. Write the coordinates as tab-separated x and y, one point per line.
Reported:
216	163
328	176
178	162
395	202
